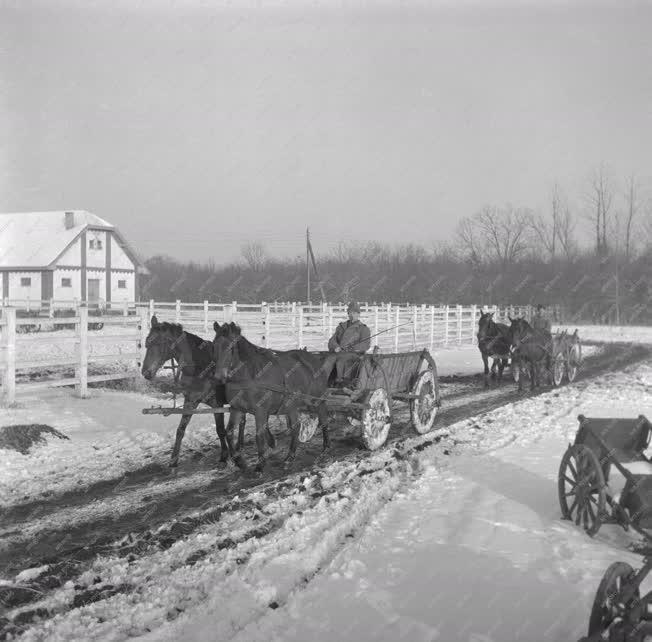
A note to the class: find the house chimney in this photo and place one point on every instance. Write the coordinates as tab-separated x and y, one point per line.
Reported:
70	220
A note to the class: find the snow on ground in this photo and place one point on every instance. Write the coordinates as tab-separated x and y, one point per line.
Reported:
625	333
457	541
109	435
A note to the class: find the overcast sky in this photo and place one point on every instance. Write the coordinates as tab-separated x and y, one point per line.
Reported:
194	129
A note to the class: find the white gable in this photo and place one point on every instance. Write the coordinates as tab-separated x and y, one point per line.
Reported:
119	259
35	239
72	256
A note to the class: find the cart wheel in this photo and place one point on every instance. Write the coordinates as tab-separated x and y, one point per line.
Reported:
605	610
558	368
574	361
581	482
376	419
307	426
423	408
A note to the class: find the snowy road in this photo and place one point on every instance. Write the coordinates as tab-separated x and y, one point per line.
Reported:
460	540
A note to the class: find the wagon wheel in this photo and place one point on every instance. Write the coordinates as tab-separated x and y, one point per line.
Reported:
558	369
574	361
605	609
581	488
376	419
307	426
423	407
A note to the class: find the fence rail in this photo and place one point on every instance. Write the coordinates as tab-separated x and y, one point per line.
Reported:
33	339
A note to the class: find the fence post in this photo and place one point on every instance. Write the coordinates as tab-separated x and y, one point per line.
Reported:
376	330
300	328
152	308
177	311
414	325
143	326
51	312
459	325
9	344
432	327
82	368
294	312
446	322
234	310
330	321
267	323
389	312
474	314
396	322
205	316
125	308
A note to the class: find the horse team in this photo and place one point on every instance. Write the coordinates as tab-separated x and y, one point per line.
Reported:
527	349
262	382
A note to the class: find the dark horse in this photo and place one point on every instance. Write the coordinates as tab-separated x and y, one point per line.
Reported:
194	356
269	382
531	346
493	341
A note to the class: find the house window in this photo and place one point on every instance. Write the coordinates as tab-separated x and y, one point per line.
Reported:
25	281
66	283
122	284
98	244
91	244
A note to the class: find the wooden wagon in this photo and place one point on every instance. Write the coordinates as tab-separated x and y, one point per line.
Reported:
585	495
566	359
619	614
370	397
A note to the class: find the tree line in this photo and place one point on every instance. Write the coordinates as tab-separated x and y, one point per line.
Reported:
500	254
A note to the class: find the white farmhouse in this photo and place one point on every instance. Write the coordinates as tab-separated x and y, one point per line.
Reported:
65	256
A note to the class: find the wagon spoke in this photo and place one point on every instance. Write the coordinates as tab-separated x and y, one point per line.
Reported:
589	510
573	505
572	468
572	482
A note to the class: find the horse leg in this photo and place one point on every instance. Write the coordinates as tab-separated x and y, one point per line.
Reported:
241	431
322	415
235	416
221	433
485	360
271	439
534	374
501	366
262	418
293	425
188	404
493	368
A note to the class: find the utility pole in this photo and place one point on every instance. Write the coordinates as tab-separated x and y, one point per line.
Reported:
308	261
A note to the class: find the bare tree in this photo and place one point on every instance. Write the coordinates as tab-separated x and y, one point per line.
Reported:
469	240
554	234
600	200
505	232
495	234
566	233
255	255
632	208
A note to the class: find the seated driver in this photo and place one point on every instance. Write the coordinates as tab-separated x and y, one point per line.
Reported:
350	336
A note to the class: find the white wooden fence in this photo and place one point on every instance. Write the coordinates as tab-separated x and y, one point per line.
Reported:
121	342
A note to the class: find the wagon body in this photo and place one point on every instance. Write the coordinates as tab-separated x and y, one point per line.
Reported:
380	380
584	491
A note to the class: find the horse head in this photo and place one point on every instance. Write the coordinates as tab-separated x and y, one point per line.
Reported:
484	325
224	349
161	344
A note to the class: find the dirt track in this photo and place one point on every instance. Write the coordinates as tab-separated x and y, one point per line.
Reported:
152	497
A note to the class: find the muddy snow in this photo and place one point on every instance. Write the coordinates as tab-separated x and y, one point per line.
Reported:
454	540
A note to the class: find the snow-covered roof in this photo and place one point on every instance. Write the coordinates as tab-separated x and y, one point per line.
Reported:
36	239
